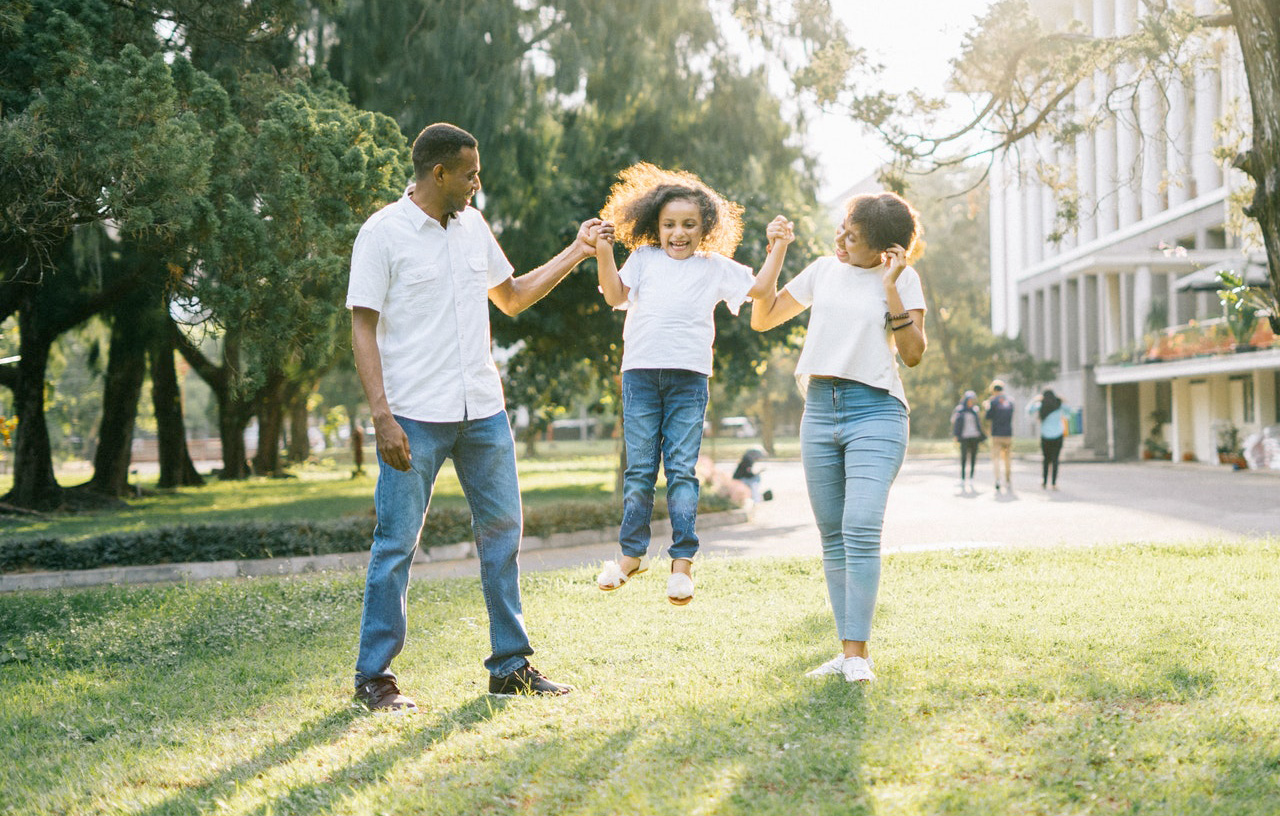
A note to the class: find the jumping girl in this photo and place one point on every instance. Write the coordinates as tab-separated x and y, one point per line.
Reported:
681	234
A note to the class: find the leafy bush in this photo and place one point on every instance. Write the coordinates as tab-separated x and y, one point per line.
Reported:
217	542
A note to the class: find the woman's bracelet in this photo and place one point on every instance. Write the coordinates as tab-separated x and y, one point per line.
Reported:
890	318
909	322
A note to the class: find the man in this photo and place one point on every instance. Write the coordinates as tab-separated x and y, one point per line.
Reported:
421	270
999	412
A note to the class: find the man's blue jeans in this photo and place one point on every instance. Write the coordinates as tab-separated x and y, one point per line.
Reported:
852	440
662	414
483	453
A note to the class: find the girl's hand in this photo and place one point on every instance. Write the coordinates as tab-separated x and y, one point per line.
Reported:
895	260
779	229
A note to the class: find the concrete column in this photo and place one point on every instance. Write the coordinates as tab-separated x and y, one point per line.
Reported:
1104	137
1128	139
1175	318
1151	121
1178	144
1142	294
1086	173
1032	216
1065	321
1207	110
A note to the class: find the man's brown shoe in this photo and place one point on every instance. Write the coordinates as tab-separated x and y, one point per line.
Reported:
382	694
526	680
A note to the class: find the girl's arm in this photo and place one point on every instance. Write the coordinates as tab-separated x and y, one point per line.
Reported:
768	307
908	332
611	285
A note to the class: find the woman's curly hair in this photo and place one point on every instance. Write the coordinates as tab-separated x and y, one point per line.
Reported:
885	219
636	201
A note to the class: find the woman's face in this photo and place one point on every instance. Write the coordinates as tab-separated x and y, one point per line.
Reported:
851	249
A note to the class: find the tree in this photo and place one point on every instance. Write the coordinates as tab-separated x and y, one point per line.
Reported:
1027	76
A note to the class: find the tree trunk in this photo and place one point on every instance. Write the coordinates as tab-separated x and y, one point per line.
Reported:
176	467
270	423
357	441
768	421
299	418
233	418
34	485
126	369
1257	24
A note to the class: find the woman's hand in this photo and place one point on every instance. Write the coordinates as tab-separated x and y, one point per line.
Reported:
895	260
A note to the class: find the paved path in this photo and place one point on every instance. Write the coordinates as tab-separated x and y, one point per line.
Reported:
1097	503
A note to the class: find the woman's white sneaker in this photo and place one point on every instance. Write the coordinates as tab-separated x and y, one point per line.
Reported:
857	670
833	666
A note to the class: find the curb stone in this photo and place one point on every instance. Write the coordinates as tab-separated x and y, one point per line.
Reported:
298	565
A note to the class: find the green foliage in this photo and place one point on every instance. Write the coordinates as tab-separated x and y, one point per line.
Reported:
448	524
1241	304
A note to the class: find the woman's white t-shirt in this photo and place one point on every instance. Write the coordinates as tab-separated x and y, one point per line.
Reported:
848	337
671	307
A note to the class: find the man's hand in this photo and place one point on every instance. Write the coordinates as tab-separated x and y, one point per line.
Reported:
779	229
393	443
591	231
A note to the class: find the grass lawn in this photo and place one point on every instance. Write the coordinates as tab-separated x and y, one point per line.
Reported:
1140	679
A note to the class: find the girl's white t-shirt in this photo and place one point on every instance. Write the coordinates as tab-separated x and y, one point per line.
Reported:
847	335
671	307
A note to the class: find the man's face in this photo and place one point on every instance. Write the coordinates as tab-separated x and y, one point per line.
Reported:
460	180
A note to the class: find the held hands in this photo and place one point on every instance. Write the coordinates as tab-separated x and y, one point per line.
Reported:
779	229
592	231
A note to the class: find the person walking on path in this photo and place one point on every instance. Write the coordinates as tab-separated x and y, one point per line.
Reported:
422	272
681	234
998	411
1048	409
868	309
966	427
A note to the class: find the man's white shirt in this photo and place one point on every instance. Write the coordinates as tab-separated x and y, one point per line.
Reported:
430	286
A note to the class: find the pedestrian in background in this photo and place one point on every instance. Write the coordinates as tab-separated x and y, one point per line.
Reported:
1053	418
966	427
998	411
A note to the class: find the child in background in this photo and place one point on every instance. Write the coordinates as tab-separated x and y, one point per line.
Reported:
681	234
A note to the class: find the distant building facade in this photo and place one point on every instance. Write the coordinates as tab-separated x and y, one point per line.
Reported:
1126	302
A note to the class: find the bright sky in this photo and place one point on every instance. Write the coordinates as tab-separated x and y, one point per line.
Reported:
915	40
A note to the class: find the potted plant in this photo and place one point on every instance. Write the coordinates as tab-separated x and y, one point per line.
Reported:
1240	306
1230	452
1154	446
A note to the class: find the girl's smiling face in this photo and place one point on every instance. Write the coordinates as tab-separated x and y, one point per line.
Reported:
680	228
851	249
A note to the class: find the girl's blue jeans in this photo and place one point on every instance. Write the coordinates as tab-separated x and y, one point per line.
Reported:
852	440
662	414
483	453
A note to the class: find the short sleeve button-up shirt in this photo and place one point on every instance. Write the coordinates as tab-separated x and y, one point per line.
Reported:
430	286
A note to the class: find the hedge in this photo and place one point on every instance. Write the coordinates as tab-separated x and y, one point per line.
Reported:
218	542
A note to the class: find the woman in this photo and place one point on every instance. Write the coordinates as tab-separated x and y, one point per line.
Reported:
966	427
868	309
1048	408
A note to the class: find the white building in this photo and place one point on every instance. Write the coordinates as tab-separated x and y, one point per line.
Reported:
1152	214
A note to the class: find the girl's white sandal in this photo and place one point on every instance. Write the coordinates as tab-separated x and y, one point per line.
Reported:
611	575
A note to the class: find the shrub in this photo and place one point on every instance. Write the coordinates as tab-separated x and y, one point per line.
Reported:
218	542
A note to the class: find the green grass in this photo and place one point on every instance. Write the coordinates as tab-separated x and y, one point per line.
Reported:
1138	679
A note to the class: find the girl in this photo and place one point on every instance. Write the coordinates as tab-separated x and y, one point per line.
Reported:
966	427
681	233
1048	409
868	306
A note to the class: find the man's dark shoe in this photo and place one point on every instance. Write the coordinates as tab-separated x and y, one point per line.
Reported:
382	694
526	680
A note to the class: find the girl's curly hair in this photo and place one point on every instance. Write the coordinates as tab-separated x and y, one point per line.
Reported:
636	201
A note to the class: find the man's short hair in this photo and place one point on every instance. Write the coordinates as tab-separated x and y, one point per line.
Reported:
438	144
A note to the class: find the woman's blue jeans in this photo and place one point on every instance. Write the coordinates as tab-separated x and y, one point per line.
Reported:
662	414
852	439
483	453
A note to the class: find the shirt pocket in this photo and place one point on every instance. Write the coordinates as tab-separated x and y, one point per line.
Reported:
419	284
477	274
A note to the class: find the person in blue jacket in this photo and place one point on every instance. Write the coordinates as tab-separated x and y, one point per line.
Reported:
1052	415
